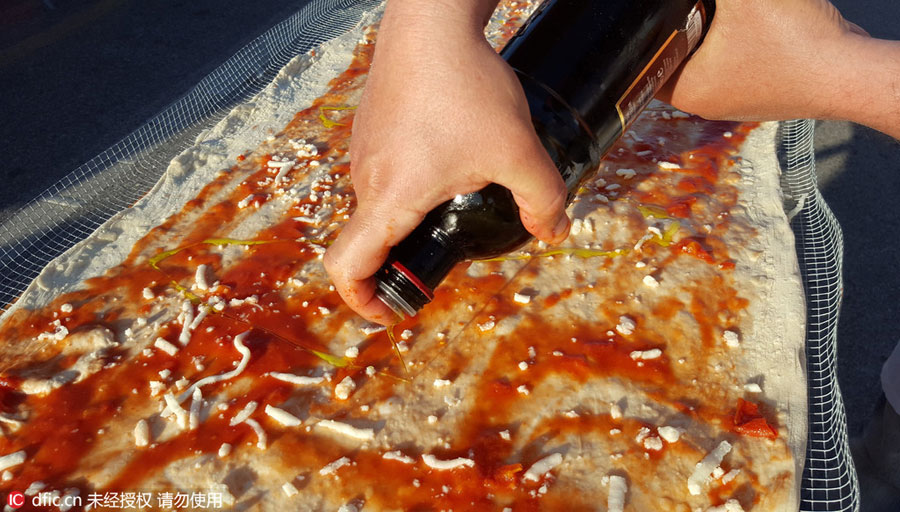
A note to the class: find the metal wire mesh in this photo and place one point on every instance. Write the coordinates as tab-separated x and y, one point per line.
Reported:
75	207
72	209
829	478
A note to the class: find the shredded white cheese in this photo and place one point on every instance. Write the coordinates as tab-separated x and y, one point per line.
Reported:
615	411
148	294
333	466
650	282
188	318
542	467
156	387
281	416
703	470
752	387
521	298
399	457
441	383
670	434
12	459
361	434
202	311
212	379
244	413
444	465
626	173
13	423
260	433
618	488
625	326
297	380
164	345
646	355
642	434
487	326
731	475
371	329
194	415
289	490
181	416
200	277
35	488
732	339
224	450
653	443
141	434
344	388
668	165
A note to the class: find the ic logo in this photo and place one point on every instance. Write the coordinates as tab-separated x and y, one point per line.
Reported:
15	499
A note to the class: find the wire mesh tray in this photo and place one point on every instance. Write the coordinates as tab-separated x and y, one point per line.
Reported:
75	207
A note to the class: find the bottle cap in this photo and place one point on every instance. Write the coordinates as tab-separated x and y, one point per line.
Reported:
401	290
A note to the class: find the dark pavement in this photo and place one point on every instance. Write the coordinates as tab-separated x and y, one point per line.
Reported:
76	76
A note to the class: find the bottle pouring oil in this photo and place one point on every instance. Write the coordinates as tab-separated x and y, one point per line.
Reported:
588	69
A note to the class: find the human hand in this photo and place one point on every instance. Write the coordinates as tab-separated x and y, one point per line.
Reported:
442	114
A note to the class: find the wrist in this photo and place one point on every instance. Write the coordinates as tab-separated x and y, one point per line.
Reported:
866	85
458	15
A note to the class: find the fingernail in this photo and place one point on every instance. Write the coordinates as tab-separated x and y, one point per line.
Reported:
561	231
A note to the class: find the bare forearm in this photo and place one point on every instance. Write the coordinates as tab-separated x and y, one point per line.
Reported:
869	92
468	13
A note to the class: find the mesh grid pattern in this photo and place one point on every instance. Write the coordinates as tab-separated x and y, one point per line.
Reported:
829	478
72	209
75	207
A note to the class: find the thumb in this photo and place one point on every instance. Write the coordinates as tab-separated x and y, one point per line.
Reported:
539	191
360	250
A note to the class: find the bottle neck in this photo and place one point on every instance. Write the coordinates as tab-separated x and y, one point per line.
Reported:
414	269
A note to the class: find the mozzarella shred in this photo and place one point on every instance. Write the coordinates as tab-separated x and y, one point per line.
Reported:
703	470
200	277
297	380
360	434
444	465
615	502
187	315
670	434
289	490
281	416
12	459
261	439
181	416
202	311
164	345
543	466
141	434
244	413
212	379
194	415
398	456
333	466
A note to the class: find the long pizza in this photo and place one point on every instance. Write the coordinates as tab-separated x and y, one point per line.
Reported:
192	353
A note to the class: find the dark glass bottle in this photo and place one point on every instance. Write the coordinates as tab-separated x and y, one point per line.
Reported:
588	69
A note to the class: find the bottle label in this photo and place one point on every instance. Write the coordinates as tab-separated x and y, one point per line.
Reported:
676	49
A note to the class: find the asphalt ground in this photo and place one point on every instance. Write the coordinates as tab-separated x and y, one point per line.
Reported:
76	76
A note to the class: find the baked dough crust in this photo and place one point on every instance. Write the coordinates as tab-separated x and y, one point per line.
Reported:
534	381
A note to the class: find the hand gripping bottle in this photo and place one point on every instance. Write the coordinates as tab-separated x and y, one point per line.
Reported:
588	69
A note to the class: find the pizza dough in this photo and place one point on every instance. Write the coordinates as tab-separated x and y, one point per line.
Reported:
651	362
